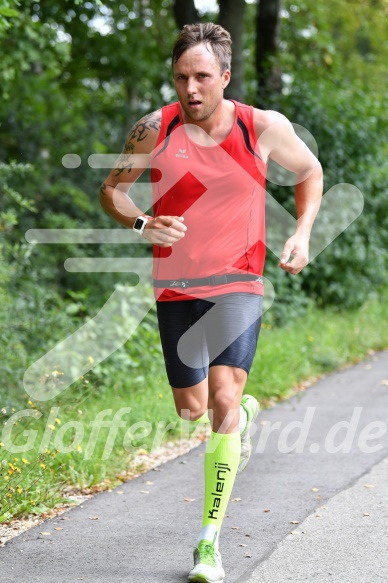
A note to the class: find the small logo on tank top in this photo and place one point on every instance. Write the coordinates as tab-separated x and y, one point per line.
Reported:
181	153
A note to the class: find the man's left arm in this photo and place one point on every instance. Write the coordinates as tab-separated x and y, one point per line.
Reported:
279	142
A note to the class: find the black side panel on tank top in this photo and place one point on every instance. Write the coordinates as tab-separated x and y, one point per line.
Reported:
245	132
171	126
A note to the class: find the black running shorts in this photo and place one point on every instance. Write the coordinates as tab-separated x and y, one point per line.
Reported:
196	334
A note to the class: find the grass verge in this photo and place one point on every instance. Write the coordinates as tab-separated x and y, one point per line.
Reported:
90	438
318	343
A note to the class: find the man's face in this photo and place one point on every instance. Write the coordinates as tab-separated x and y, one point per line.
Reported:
199	82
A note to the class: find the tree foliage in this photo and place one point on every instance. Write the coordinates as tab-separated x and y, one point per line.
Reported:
75	75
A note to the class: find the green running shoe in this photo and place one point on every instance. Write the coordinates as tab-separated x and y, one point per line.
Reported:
207	564
251	407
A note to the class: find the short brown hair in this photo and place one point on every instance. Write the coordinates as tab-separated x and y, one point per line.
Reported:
208	33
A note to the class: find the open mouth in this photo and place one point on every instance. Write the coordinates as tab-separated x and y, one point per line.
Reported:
194	103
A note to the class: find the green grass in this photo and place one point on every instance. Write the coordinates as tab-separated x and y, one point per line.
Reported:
318	343
33	481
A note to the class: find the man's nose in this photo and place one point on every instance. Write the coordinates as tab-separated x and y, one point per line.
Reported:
191	87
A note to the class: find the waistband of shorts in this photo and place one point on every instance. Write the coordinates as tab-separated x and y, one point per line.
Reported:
211	280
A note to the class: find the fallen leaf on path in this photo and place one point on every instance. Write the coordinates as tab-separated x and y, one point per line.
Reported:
45	533
384	382
266	510
247	556
94	517
235	527
189	499
144	492
366	514
65	518
369	485
295	532
148	483
236	499
314	489
58	528
242	545
294	522
120	492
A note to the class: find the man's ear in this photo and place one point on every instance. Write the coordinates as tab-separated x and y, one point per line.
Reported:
226	78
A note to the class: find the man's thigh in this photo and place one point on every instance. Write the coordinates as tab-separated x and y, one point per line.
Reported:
223	330
175	320
232	329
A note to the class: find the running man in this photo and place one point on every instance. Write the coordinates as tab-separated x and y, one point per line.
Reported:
208	159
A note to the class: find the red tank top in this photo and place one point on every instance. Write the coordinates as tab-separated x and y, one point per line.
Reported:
220	191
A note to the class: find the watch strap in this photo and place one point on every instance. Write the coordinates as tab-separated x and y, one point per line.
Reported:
140	223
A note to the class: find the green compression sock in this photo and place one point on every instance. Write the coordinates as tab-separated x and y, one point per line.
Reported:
221	463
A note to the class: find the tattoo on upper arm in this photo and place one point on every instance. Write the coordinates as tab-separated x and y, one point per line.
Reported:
138	133
140	130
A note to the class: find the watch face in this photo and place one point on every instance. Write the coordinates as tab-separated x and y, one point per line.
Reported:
138	223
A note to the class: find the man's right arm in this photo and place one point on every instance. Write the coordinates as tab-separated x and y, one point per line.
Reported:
130	165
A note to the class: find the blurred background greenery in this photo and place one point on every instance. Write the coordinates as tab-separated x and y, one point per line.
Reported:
74	77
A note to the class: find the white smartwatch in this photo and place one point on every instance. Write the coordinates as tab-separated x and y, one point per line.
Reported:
140	223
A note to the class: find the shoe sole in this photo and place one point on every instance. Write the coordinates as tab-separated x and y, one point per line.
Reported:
203	579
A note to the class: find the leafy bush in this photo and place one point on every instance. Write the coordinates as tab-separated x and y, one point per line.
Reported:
352	149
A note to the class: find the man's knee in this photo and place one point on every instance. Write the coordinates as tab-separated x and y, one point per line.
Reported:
191	402
226	382
226	385
192	414
222	375
224	400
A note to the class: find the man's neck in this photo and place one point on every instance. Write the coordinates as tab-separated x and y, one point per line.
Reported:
218	125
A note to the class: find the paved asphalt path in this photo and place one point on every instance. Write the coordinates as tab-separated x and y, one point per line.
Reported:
321	473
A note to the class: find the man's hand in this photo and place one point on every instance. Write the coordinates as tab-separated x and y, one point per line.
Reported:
298	246
164	231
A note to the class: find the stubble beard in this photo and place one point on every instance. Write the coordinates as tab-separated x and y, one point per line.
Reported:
204	116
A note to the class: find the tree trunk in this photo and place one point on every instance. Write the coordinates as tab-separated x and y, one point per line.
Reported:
267	42
232	19
185	12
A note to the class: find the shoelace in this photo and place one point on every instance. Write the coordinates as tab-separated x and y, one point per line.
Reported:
207	554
